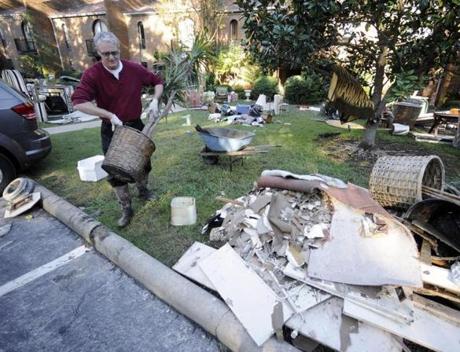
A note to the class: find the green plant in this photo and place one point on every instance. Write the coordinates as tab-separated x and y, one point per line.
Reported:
238	89
304	90
265	85
30	66
233	67
404	85
210	81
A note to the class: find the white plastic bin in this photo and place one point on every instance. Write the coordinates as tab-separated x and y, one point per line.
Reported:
90	169
183	211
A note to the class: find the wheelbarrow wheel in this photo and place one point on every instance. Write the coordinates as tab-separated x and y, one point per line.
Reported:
209	159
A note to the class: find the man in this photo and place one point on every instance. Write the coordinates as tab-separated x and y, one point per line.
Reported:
111	89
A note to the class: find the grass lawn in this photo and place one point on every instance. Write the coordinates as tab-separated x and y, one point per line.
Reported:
179	171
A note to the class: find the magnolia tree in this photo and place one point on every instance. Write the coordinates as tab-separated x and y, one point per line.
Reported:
378	40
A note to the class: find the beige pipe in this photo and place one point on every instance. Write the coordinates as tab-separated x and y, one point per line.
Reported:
187	298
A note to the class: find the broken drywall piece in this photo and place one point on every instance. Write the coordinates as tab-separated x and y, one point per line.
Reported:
187	265
326	324
316	231
294	255
304	297
385	303
260	202
277	205
248	296
427	329
372	261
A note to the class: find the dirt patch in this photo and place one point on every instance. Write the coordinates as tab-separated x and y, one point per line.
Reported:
347	151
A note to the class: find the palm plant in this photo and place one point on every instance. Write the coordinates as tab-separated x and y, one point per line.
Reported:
182	69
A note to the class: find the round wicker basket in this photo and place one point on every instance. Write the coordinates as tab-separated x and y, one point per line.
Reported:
128	154
396	181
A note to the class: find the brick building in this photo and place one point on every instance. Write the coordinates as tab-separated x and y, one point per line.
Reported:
58	33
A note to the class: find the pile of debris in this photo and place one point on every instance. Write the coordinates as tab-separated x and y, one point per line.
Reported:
311	256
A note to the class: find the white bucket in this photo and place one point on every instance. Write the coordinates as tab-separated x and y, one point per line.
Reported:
183	211
400	129
90	169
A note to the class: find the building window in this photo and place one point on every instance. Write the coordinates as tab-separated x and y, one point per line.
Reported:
141	35
25	44
66	35
99	26
233	30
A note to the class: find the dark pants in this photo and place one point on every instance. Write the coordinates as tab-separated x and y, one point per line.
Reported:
106	138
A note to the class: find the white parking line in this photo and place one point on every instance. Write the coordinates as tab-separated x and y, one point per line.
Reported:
42	270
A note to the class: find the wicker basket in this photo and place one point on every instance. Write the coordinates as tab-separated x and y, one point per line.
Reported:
128	154
396	181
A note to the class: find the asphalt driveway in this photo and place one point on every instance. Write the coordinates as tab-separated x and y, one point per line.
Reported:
57	294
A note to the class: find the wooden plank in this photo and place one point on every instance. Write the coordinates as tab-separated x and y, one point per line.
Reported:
326	324
427	329
187	265
250	299
437	309
439	277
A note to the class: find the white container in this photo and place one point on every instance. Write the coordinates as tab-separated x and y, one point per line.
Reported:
90	169
400	129
183	211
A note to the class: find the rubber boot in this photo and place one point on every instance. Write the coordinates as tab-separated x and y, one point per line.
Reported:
124	199
143	192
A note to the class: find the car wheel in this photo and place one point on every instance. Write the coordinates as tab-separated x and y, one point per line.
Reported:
7	172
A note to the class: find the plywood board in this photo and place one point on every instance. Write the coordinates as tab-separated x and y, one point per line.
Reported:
427	329
326	324
250	299
188	263
351	258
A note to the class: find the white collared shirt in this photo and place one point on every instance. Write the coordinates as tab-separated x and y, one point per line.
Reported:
116	72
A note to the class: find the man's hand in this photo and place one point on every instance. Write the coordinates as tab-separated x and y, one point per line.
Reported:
153	107
115	120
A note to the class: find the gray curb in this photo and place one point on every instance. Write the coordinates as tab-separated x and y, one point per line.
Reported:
186	297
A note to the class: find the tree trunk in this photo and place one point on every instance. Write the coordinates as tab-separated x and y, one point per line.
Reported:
368	141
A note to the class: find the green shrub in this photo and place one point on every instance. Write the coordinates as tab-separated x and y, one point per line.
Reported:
304	90
238	89
404	85
210	81
265	85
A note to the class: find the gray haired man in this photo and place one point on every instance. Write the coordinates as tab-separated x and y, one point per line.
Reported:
111	89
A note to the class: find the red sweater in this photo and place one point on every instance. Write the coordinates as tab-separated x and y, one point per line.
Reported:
120	96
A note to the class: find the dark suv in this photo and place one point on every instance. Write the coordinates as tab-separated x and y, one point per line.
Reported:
21	141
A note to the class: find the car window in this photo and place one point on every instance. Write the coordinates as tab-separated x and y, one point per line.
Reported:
8	92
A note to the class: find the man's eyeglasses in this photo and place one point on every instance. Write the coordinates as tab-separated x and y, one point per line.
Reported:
108	53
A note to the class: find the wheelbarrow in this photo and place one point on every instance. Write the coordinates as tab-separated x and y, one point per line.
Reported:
227	142
221	139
